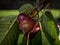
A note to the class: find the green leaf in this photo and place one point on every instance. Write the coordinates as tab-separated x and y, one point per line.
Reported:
8	30
50	28
37	40
20	39
26	8
45	41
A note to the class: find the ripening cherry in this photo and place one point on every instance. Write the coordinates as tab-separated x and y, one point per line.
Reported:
26	23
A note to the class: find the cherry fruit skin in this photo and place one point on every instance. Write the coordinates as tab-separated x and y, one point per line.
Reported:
25	22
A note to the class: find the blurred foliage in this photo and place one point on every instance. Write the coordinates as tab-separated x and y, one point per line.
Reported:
8	30
8	12
10	34
55	12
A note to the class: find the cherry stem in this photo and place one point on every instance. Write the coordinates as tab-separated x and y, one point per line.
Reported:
28	39
39	23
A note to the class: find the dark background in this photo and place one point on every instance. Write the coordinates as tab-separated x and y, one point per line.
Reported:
15	4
